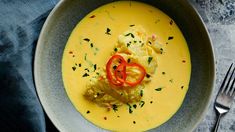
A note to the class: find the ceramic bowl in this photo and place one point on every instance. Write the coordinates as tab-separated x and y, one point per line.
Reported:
55	33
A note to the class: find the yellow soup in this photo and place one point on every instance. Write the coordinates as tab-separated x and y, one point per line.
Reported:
89	47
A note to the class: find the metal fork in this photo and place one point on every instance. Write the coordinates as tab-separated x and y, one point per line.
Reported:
225	96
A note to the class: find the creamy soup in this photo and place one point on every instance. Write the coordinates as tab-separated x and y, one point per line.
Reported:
93	42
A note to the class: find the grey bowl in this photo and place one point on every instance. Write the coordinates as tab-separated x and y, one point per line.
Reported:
55	33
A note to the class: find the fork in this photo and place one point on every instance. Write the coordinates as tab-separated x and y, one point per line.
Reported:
225	96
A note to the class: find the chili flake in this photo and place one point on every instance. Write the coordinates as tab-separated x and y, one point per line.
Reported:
93	16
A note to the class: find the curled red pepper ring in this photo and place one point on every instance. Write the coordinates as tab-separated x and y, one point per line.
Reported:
119	75
109	68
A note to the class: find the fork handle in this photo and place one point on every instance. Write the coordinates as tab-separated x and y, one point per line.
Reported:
217	123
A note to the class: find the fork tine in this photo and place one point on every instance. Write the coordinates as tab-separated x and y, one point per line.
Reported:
226	76
227	88
232	89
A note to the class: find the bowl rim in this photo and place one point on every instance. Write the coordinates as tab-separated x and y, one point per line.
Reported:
36	61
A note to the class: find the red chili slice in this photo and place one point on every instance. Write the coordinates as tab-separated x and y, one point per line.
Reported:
109	69
141	76
118	76
120	73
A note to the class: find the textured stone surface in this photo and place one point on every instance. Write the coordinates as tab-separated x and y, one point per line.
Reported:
219	16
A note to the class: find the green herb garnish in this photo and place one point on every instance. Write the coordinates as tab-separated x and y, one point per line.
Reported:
74	68
141	103
150	59
115	108
163	73
141	93
115	49
108	30
170	37
95	66
132	25
134	106
132	35
86	39
130	109
88	112
85	75
128	44
85	57
158	89
92	45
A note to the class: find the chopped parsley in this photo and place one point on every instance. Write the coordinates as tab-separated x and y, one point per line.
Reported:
141	103
80	65
158	89
88	112
115	108
87	70
161	49
182	87
171	80
132	25
115	49
134	106
128	44
92	45
74	68
149	42
163	73
150	59
170	37
108	30
132	35
86	39
95	66
134	122
130	109
85	75
151	102
85	57
141	93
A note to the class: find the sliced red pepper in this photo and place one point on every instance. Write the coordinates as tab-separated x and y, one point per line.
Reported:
118	77
141	76
120	72
109	69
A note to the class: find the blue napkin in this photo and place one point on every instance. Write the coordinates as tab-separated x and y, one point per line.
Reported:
20	25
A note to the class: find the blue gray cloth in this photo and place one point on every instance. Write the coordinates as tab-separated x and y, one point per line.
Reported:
20	25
